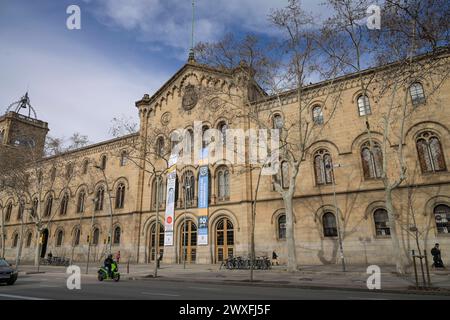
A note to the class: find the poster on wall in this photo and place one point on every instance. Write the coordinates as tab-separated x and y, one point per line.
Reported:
202	238
170	202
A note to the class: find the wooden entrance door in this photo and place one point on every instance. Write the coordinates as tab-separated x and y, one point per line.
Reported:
188	242
152	242
224	239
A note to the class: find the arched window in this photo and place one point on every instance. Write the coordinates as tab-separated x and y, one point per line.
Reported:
40	175
69	171
8	212
34	208
120	196
277	121
223	183
417	93
117	233
29	239
2	134
329	225
442	218
430	153
281	227
53	174
160	147
76	237
15	240
81	201
205	141
189	188
381	219
123	158
85	166
285	175
161	190
323	167
48	206
21	210
59	238
364	105
103	162
99	198
95	236
372	160
223	127
317	114
64	204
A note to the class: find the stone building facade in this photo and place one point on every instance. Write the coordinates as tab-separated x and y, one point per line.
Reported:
81	194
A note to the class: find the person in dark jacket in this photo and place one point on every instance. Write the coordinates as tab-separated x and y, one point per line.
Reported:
274	258
107	263
436	253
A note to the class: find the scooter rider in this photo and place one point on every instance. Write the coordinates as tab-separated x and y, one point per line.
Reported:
108	264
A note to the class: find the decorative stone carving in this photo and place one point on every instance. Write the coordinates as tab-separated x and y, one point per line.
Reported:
190	98
165	118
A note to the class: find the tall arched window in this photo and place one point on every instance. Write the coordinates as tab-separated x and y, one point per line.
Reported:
81	201
34	207
223	127
430	153
29	239
15	240
381	219
120	196
205	141
64	204
21	210
160	146
442	218
188	188
69	171
123	158
417	93
372	160
281	227
76	237
48	206
223	183
188	143
59	238
95	236
364	105
99	198
117	234
103	162
317	114
161	191
323	167
329	225
8	212
53	174
85	166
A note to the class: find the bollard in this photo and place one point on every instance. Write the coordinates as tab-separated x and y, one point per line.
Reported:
128	267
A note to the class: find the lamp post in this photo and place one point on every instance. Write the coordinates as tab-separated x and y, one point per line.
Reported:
338	222
90	235
102	169
156	227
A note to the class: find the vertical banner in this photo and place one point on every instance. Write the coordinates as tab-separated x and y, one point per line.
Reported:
170	201
203	197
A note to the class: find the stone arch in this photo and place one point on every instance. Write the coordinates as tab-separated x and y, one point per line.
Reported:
324	144
433	202
379	204
362	138
221	213
119	180
324	209
440	129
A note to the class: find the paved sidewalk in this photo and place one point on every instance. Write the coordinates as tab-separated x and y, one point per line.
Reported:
325	276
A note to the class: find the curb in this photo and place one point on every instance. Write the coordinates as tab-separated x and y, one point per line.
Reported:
261	283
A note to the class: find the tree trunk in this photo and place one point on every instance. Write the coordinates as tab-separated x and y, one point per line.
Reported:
19	246
2	240
290	240
397	253
36	252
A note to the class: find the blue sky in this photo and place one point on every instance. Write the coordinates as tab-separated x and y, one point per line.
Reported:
79	80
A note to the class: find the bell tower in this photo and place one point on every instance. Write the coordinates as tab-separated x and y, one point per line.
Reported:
20	128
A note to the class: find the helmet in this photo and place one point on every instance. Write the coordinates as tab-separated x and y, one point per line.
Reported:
110	256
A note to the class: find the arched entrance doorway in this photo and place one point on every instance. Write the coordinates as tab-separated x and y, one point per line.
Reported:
188	242
152	242
224	239
44	242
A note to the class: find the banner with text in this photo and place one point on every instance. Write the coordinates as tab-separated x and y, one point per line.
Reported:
170	202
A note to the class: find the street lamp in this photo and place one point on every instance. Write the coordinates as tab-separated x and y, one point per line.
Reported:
338	222
90	235
102	169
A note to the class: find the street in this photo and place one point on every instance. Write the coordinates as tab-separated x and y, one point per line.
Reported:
53	286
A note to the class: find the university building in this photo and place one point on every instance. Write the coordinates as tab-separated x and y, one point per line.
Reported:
99	190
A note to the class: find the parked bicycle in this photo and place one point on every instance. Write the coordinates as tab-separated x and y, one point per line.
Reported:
243	263
55	261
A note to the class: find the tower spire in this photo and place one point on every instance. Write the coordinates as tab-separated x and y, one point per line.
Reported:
191	51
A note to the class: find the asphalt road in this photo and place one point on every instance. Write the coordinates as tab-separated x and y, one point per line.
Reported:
53	286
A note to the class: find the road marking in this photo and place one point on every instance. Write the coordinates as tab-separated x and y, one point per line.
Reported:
359	298
20	297
161	294
203	288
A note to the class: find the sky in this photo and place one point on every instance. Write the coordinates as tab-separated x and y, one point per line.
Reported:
79	80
